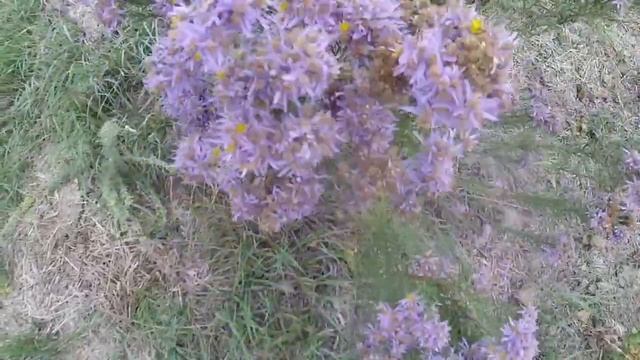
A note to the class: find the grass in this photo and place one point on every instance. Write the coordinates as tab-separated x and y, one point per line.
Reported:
384	252
177	279
22	347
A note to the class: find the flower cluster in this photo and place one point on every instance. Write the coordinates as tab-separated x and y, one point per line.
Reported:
270	95
409	328
405	328
518	338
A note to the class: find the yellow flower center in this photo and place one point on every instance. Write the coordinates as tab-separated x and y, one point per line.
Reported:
216	152
221	75
284	6
231	147
197	56
241	128
345	27
175	21
477	26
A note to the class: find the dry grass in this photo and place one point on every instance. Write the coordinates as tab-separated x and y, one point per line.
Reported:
588	74
585	67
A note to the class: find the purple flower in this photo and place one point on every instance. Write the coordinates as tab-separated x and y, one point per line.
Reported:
307	13
372	22
433	170
268	93
238	15
405	328
599	220
369	124
421	61
519	337
290	65
194	158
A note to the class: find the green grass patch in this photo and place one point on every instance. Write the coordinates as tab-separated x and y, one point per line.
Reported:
289	298
381	275
31	347
82	102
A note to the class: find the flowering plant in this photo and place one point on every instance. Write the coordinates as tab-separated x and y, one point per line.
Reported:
278	100
410	326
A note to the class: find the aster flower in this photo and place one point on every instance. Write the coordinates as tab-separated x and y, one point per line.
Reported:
307	13
369	124
237	15
556	253
519	337
421	60
433	170
371	22
265	98
194	158
290	65
406	328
